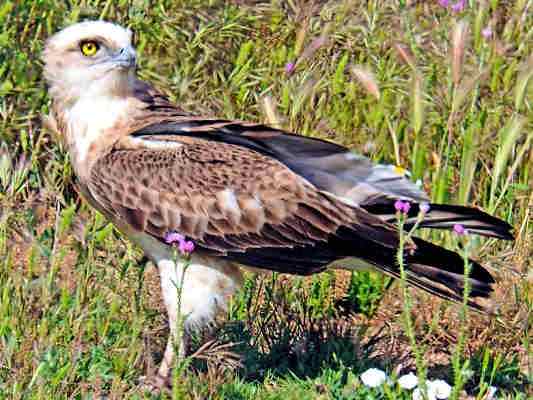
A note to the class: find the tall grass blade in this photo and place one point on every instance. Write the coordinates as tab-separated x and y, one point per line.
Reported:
465	88
509	135
418	103
521	83
468	162
417	120
517	161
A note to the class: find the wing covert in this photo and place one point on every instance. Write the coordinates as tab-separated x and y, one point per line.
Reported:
231	201
328	166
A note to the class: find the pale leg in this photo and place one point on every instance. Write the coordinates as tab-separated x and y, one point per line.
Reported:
172	277
204	291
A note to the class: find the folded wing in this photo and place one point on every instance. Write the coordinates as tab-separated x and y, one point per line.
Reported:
232	201
334	169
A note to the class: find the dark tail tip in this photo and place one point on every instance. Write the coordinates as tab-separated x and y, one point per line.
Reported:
441	272
444	216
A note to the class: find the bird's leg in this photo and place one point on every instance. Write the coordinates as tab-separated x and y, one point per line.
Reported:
193	292
172	276
181	347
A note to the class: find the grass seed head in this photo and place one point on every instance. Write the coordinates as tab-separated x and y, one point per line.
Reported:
367	79
459	39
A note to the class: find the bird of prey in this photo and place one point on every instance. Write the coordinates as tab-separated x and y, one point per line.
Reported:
245	194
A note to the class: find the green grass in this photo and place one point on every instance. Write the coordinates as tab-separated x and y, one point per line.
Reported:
81	318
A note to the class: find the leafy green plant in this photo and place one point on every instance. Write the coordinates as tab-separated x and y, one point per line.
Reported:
365	291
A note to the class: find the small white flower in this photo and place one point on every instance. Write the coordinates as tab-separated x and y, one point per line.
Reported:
441	388
419	182
373	377
408	381
491	392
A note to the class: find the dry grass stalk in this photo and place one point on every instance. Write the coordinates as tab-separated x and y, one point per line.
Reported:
418	104
300	37
405	55
216	352
268	105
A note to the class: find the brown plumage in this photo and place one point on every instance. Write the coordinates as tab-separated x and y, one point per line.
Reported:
244	193
216	193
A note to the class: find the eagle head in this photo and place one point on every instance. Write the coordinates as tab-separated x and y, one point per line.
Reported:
91	58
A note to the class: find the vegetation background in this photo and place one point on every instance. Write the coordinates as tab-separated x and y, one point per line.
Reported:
440	89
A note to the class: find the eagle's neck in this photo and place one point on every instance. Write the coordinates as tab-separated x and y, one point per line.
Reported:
91	125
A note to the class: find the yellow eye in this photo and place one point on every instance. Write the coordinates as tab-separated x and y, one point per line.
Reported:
89	48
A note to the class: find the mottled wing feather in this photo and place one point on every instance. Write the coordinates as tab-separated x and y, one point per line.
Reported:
330	168
326	165
227	198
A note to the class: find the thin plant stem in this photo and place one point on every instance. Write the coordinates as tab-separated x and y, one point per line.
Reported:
181	363
407	302
459	370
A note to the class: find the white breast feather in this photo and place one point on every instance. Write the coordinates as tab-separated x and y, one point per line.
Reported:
89	118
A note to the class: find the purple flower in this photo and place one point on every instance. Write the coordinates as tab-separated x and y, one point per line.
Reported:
289	67
459	229
402	206
398	205
173	237
487	32
459	6
186	246
424	208
444	3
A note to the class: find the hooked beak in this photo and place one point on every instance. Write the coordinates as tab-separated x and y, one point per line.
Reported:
126	57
